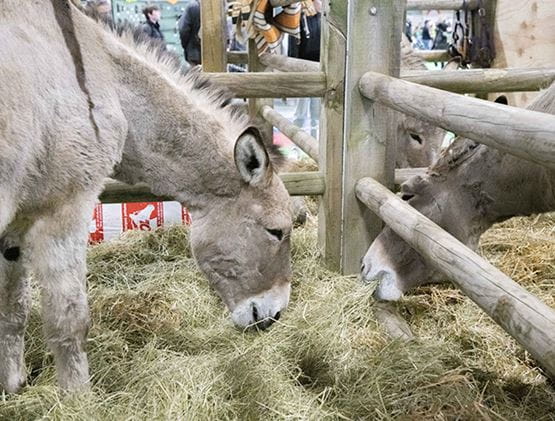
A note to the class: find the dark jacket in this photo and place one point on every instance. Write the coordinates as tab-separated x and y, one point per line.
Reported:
426	32
309	47
153	30
189	27
440	41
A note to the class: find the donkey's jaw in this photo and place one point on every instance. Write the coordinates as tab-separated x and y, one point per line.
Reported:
262	309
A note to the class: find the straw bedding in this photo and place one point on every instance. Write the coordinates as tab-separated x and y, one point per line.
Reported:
162	346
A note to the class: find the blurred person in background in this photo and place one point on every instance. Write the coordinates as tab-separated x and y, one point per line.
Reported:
189	27
426	37
308	48
151	27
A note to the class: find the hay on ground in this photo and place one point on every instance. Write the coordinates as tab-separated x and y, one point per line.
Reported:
162	346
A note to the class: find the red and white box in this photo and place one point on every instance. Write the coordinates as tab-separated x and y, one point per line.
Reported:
110	220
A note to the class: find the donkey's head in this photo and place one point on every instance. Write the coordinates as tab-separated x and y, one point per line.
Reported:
458	194
242	243
418	142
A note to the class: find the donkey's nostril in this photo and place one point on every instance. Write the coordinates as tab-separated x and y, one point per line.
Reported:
254	312
362	267
264	324
277	316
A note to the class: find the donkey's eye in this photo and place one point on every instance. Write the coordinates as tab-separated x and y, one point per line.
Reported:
416	137
278	234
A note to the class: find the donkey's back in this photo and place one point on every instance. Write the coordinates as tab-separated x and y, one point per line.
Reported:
59	127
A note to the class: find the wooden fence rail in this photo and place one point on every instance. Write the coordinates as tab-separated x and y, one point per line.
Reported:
483	80
272	85
310	145
460	81
441	4
241	57
526	318
297	184
527	134
313	84
289	64
302	139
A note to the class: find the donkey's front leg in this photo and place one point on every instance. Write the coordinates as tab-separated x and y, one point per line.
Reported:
58	245
15	303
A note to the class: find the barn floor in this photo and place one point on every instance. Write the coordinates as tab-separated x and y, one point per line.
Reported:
162	347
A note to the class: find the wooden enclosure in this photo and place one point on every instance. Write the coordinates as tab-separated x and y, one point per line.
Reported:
360	84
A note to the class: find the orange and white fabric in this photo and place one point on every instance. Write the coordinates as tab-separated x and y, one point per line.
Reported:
270	32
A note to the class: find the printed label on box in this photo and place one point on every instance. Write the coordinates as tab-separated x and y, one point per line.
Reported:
145	216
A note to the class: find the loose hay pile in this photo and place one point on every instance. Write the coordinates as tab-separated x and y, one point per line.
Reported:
162	347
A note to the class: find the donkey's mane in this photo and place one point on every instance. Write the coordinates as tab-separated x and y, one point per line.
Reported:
462	148
453	156
200	89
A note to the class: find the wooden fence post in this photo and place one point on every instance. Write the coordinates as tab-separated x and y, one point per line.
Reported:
213	35
359	134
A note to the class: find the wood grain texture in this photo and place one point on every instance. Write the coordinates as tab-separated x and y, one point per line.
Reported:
333	55
237	57
526	134
302	139
272	85
523	36
373	42
213	37
526	318
433	55
289	64
440	4
297	184
484	80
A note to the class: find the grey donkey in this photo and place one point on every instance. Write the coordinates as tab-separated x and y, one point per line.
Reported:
79	103
468	189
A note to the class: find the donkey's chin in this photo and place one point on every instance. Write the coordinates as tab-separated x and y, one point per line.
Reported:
261	310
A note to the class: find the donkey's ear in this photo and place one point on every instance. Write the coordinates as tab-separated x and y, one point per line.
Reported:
251	158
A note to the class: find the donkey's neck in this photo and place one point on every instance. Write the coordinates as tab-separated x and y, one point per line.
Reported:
176	143
500	186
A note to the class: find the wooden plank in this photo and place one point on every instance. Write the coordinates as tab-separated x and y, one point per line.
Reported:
373	42
237	57
526	318
441	4
306	84
523	37
526	134
302	139
272	85
433	55
289	64
213	37
310	183
297	184
333	55
484	80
